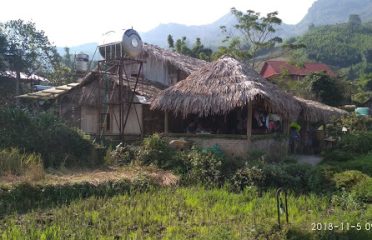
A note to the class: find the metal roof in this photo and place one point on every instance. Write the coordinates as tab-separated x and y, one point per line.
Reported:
51	93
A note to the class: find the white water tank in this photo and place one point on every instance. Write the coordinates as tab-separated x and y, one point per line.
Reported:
82	62
118	44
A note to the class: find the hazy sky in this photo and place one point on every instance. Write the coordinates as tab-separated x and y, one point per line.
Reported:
73	22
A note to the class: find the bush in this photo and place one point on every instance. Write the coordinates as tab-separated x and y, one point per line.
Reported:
321	179
338	155
123	154
47	135
205	167
348	179
292	176
363	190
12	161
357	142
247	176
156	151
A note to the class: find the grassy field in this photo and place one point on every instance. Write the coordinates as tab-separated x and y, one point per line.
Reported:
188	213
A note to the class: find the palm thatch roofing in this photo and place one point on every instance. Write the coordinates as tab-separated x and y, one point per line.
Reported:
221	86
145	90
185	63
313	111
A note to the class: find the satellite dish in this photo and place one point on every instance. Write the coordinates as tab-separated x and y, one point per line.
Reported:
132	43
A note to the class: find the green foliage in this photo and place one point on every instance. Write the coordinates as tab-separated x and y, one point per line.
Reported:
30	47
154	150
46	135
3	45
184	213
352	123
197	50
348	179
346	46
326	89
206	167
247	176
321	179
363	190
25	197
360	163
12	161
234	48
357	143
346	201
293	176
338	155
123	154
257	34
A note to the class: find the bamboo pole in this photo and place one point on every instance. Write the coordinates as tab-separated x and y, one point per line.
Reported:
249	121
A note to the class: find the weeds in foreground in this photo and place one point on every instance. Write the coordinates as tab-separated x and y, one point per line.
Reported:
185	213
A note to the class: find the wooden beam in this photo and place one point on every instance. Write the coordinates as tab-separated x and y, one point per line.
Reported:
249	121
166	123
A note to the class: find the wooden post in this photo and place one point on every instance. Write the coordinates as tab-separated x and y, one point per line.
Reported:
166	123
249	121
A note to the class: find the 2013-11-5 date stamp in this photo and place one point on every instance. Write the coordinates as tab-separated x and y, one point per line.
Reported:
342	226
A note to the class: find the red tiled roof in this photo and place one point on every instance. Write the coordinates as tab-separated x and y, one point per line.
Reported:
273	68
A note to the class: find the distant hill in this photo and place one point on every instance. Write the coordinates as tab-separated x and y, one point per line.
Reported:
325	12
88	48
210	34
322	12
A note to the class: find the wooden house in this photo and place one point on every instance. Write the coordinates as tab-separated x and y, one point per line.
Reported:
103	104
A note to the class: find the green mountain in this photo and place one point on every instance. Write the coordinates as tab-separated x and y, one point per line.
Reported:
324	12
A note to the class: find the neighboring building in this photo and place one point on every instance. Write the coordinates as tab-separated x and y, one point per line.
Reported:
27	84
277	69
93	104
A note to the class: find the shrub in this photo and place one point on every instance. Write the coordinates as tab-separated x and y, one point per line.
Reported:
357	142
12	161
321	179
47	135
338	155
155	150
293	176
348	179
247	176
363	190
123	154
346	201
206	167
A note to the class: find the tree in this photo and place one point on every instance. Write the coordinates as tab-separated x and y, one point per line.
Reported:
234	48
197	51
170	41
256	33
326	89
354	22
30	49
3	45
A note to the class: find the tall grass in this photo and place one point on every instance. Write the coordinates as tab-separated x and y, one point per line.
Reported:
13	161
186	213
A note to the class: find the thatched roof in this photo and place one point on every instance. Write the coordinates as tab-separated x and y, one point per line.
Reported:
183	62
313	111
90	89
221	86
